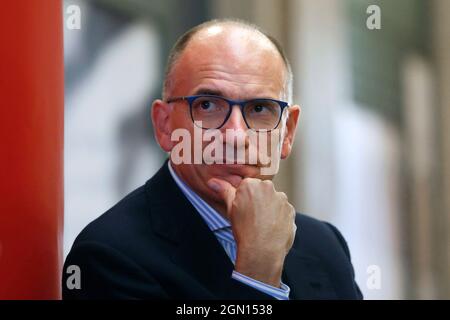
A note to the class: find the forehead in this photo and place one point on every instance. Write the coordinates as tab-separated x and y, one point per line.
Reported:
236	62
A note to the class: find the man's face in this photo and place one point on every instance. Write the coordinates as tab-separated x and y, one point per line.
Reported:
230	62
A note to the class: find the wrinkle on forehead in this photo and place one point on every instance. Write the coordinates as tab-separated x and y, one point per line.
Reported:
239	87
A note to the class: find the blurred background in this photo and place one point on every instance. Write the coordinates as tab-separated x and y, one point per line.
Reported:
372	153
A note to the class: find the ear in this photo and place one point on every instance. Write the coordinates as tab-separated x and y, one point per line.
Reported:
291	126
161	124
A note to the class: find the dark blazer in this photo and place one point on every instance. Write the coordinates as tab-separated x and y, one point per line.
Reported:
154	245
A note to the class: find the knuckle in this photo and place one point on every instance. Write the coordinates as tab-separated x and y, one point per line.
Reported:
248	181
282	196
245	183
268	184
292	211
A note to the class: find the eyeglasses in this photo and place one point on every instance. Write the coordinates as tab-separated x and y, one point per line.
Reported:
214	111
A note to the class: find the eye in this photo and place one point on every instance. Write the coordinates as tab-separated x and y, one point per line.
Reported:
262	108
259	108
208	105
205	105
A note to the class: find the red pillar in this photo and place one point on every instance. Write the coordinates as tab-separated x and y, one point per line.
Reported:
31	148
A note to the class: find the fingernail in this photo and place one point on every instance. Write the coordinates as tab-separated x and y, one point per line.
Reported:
214	185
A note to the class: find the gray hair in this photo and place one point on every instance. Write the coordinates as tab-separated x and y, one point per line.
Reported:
184	40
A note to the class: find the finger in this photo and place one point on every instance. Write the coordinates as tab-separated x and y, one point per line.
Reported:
224	189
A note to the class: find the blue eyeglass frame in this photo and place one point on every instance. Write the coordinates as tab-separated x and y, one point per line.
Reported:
231	103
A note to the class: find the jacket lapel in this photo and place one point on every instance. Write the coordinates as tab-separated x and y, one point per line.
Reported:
197	250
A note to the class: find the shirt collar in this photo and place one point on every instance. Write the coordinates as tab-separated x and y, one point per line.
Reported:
213	219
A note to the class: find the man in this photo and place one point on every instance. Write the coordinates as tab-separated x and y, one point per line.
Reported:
212	230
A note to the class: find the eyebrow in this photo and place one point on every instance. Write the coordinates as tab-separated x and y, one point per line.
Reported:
207	91
216	92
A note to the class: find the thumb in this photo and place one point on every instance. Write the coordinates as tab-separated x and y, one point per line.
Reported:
224	189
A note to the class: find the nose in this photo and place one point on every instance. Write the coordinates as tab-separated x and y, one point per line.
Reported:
236	120
236	141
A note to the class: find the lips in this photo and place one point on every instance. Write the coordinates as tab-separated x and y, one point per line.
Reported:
234	173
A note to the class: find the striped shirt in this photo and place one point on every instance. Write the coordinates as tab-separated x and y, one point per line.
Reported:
223	232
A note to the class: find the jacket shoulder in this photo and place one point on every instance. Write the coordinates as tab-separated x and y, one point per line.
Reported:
316	236
125	220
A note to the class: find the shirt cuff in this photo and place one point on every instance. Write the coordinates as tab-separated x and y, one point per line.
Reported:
278	293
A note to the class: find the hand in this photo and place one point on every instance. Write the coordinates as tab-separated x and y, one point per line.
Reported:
263	223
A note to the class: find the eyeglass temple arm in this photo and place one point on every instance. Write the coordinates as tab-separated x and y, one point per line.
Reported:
175	99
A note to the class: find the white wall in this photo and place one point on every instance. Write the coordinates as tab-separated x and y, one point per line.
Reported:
348	156
114	87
